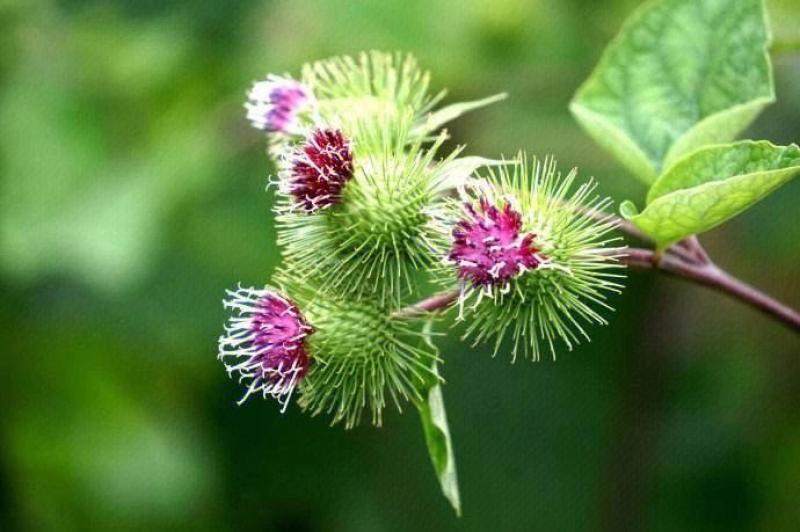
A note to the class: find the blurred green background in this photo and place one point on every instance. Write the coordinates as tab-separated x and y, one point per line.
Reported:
132	195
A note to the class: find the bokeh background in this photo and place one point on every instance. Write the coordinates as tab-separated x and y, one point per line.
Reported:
132	195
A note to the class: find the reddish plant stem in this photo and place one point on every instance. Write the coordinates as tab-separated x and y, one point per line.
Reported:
686	260
439	301
710	275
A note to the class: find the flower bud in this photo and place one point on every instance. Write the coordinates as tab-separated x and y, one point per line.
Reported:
275	103
265	343
318	169
488	247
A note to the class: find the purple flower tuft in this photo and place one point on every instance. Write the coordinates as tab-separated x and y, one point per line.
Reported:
275	102
488	248
318	170
267	341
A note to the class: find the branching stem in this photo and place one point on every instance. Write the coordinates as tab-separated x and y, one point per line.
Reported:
708	274
686	259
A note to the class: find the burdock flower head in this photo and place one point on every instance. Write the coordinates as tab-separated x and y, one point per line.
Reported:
275	104
265	343
489	247
359	222
533	256
316	171
364	359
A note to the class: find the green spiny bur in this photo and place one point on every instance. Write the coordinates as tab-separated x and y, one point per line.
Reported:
375	86
371	243
363	359
578	263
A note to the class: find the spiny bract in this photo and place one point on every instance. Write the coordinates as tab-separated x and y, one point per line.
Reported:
380	87
343	92
363	358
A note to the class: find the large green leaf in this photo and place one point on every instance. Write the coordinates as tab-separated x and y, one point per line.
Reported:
680	75
711	186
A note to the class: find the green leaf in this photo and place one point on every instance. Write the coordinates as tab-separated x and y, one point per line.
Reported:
711	186
457	172
440	445
438	118
681	74
437	435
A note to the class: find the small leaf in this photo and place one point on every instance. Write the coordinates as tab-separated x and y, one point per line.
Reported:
456	172
437	436
440	446
711	186
680	75
444	115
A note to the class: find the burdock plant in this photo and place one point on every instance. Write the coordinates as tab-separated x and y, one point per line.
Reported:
372	211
